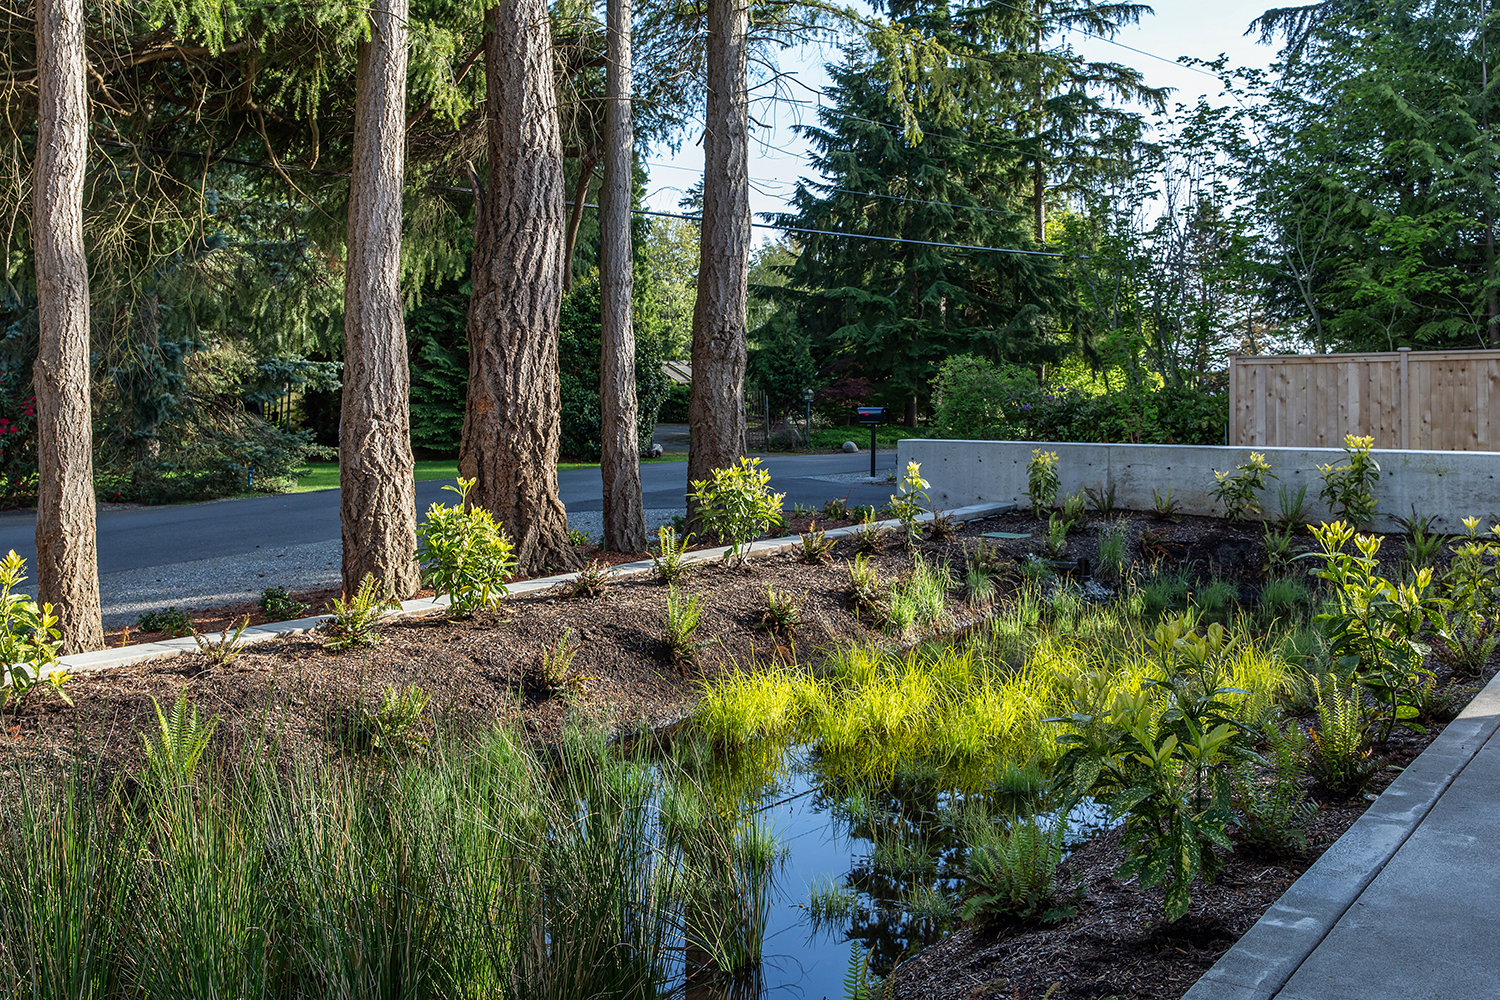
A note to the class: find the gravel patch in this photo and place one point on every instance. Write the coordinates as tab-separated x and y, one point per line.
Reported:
850	477
211	583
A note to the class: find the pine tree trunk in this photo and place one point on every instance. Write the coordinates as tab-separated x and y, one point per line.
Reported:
513	419
377	501
620	458
716	403
67	569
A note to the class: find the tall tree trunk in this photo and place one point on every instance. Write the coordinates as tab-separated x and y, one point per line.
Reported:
513	419
716	403
620	458
378	499
67	567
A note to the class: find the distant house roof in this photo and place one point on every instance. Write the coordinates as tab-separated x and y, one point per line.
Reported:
680	372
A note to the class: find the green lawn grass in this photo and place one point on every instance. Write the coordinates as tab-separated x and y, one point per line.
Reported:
325	475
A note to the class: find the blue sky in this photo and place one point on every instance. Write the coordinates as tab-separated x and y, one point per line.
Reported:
1199	28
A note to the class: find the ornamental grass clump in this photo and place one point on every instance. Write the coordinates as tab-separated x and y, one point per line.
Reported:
464	553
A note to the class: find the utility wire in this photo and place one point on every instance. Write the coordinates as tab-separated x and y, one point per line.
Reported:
851	236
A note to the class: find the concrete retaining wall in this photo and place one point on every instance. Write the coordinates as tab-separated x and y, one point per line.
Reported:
1450	484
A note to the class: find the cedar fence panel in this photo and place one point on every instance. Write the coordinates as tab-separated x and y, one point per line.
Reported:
1431	400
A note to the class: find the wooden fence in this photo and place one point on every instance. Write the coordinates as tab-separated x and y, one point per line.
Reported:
1436	400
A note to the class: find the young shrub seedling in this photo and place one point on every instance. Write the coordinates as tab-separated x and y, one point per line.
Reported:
1238	492
817	547
1349	489
553	675
680	627
169	620
911	503
280	606
394	726
783	612
667	559
866	588
354	619
835	510
1042	481
223	652
591	581
1057	536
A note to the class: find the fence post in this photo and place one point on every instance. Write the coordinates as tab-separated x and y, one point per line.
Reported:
1405	413
1234	403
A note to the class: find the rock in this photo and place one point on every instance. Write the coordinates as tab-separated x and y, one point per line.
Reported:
850	447
655	450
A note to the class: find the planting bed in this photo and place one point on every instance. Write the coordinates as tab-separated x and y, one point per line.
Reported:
296	698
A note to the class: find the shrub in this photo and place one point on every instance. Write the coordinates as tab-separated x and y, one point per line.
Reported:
680	626
172	759
783	611
1341	757
465	554
29	640
393	727
972	394
1238	492
170	620
1349	489
735	505
591	581
279	605
579	539
866	589
1074	508
835	510
1372	624
817	547
1042	481
871	540
1165	763
553	674
1465	643
223	652
1274	817
911	503
354	619
1473	576
667	559
1013	874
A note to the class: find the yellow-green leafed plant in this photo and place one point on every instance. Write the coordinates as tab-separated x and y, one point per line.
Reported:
911	503
29	640
680	626
354	618
736	504
1349	489
1042	480
1239	491
465	554
667	559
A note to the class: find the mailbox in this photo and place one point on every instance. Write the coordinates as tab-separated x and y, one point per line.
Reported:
871	415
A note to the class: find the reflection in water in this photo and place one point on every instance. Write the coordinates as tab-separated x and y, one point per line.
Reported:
878	863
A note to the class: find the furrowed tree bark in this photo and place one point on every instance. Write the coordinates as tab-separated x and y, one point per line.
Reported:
620	457
716	402
377	500
67	567
512	420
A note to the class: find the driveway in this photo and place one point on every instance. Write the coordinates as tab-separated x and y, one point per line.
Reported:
204	554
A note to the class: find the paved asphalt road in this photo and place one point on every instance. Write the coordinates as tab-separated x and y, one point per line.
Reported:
140	537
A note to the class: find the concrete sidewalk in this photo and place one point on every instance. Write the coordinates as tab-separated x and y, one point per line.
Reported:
1404	904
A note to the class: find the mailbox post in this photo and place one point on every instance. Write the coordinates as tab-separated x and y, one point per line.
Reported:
873	417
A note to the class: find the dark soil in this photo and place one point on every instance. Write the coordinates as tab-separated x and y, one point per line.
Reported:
482	670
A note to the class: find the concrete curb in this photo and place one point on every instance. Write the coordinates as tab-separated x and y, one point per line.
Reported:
1264	960
105	659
